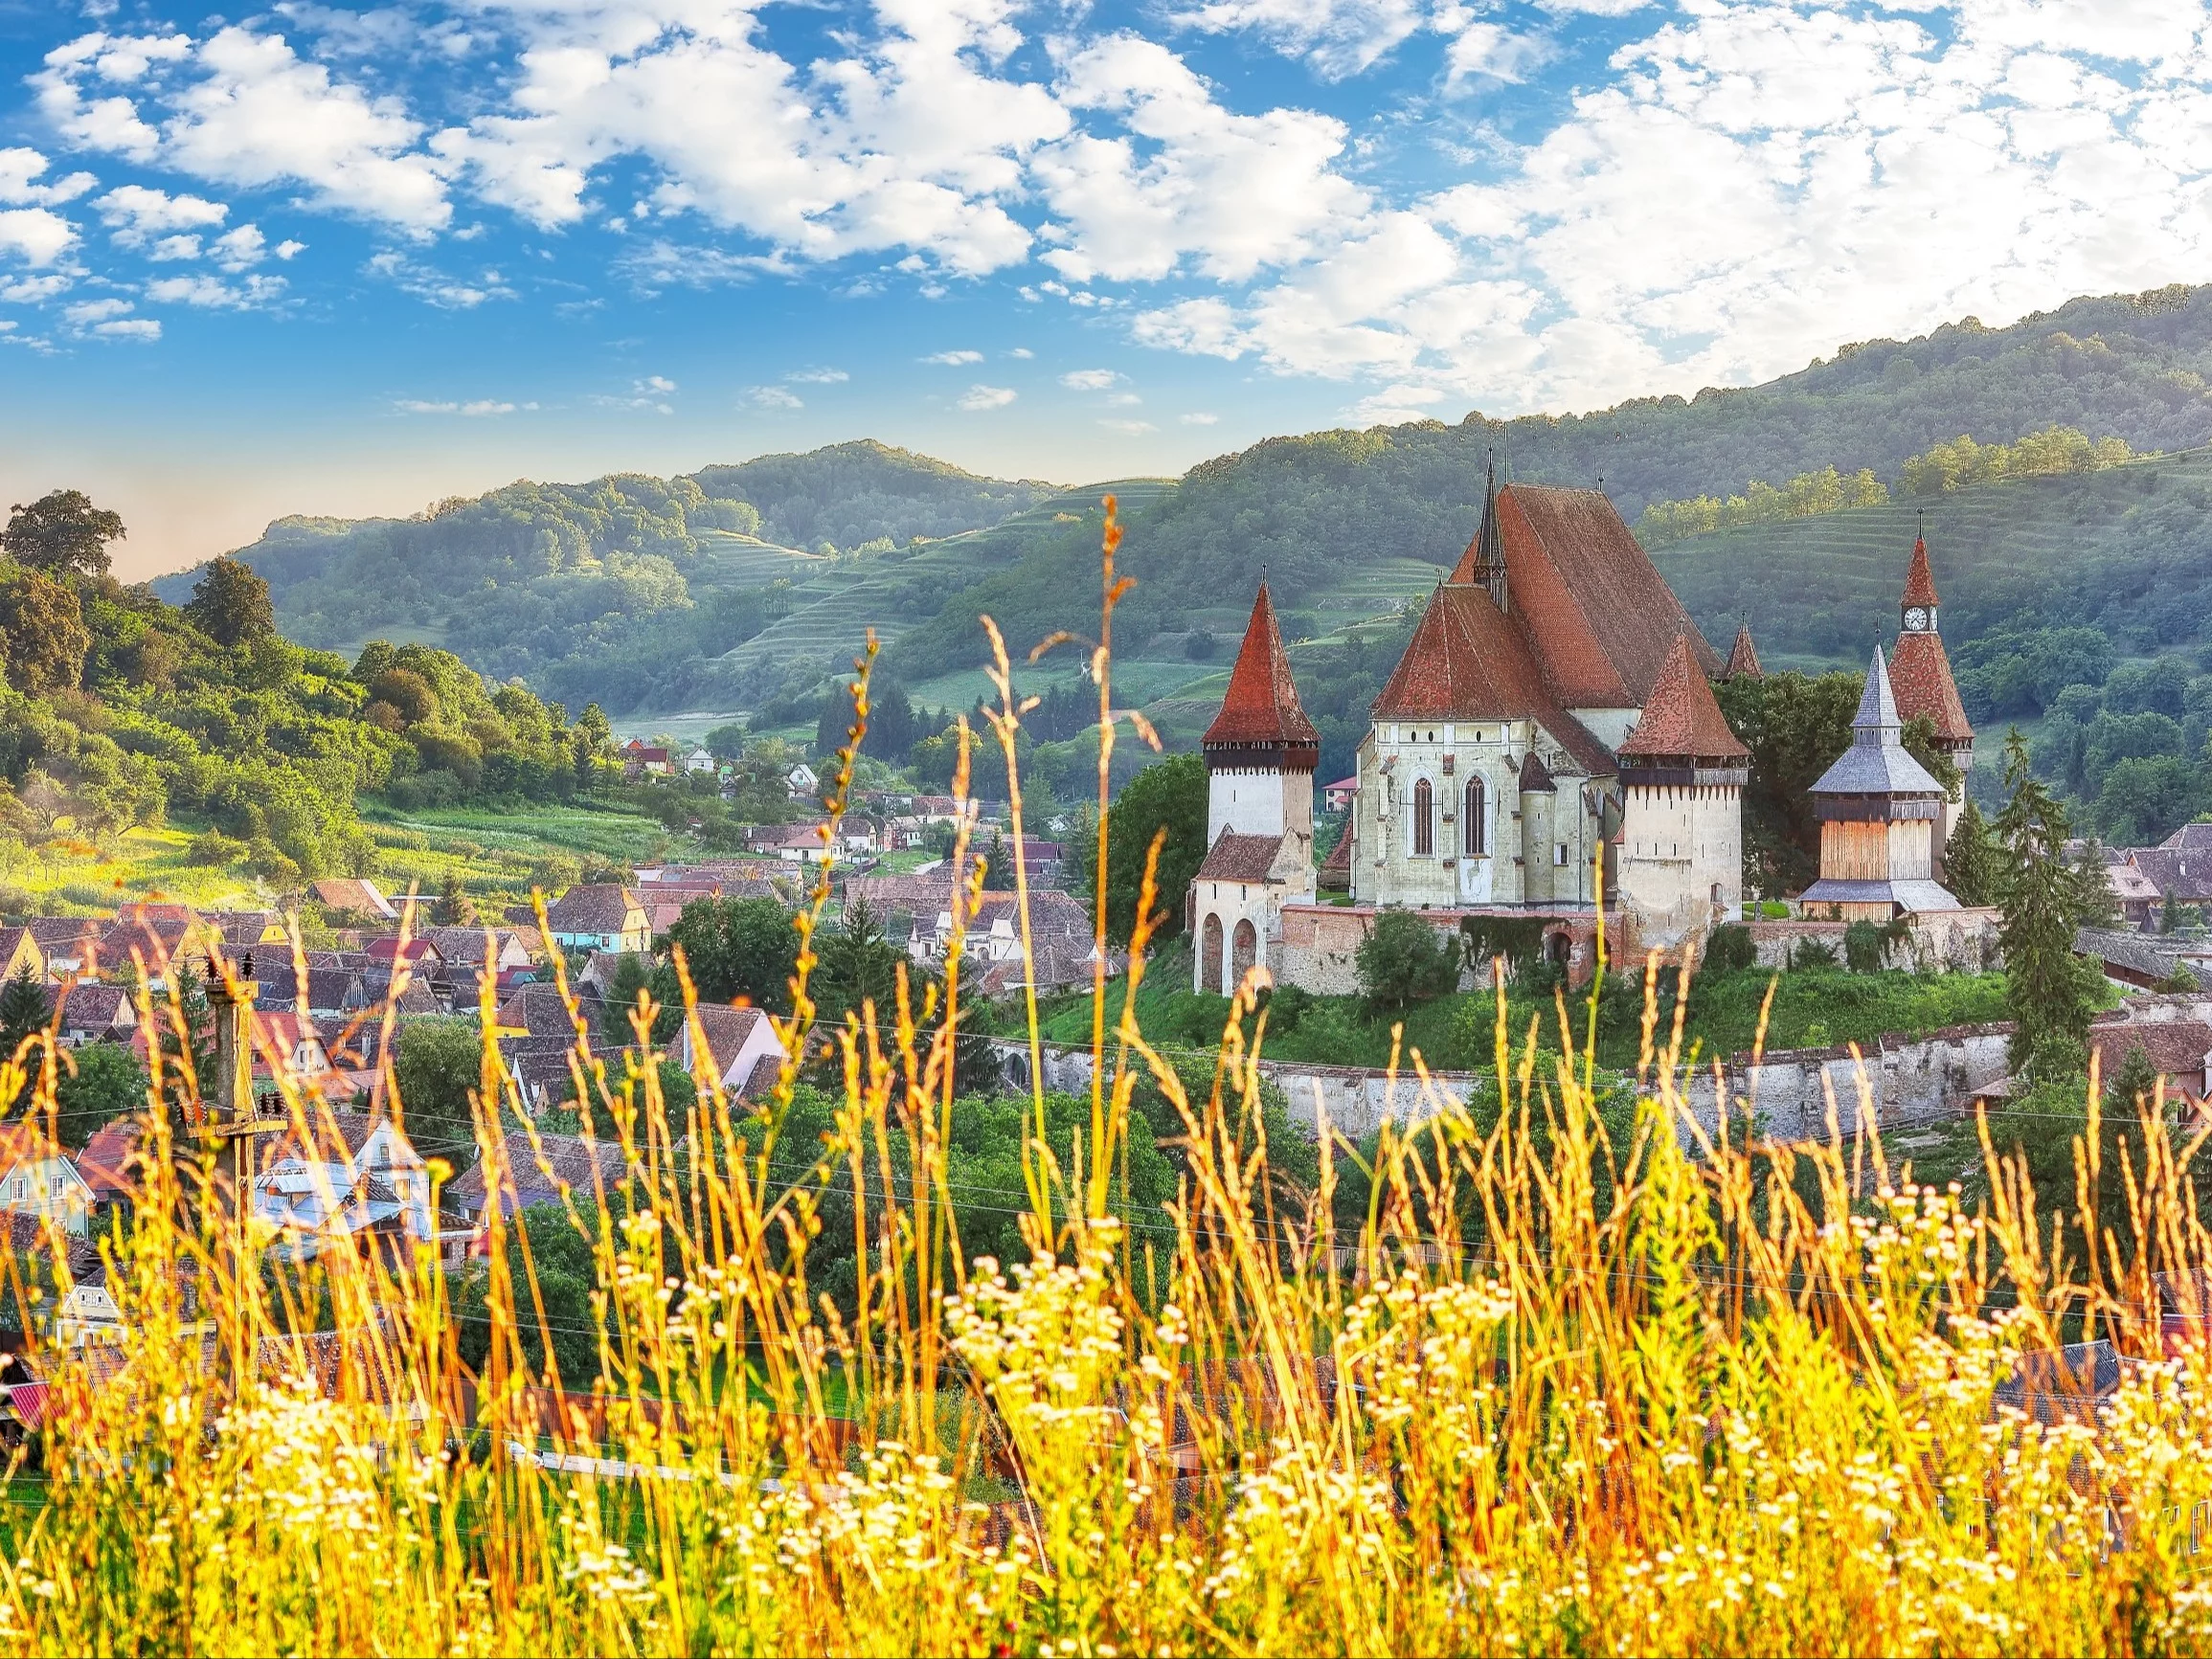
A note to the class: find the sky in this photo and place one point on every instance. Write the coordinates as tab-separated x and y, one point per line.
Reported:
330	260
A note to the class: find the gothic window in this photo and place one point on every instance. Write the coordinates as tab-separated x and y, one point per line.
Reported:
1424	820
1209	956
1474	821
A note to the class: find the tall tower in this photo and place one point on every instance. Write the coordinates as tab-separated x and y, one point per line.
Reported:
1880	812
1683	773
1921	675
1261	750
1484	564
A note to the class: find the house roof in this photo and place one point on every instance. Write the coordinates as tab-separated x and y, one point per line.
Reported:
386	948
108	1162
2175	1047
1744	657
2196	838
1877	762
1599	617
1682	718
1920	674
595	907
1919	580
2146	956
727	1030
1239	858
93	1005
530	1175
350	893
1261	704
1536	777
1336	871
2183	872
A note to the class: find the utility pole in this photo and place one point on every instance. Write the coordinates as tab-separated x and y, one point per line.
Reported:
232	1119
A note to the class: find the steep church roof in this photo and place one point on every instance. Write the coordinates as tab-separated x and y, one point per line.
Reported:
1468	663
1599	617
1920	669
1682	719
1262	704
1919	581
1744	660
1877	762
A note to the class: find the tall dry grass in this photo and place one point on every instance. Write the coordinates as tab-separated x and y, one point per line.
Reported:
1743	1404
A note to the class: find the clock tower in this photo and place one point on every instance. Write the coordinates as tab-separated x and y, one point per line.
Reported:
1921	672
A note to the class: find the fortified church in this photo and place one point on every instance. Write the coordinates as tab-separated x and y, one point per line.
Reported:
1552	726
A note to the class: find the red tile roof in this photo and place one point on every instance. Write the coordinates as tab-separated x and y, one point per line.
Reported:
1744	660
2176	1048
1919	583
1920	679
1682	717
1466	662
1600	619
1262	704
1235	857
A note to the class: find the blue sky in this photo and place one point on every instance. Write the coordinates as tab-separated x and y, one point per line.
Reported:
321	258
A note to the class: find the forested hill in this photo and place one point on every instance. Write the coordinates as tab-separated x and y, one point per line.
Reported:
556	582
1309	512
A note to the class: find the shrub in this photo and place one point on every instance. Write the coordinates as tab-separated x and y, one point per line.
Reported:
1403	960
214	850
1865	946
1731	950
1811	953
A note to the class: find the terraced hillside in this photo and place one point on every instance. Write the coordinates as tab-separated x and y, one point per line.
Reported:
832	610
2128	550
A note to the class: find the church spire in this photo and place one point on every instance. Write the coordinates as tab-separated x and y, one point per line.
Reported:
1917	610
1484	564
1744	660
1261	709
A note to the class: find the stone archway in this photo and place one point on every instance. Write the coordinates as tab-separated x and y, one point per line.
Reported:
1244	952
1559	947
1209	955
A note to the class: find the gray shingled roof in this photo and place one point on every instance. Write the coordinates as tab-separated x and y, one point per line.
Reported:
1877	762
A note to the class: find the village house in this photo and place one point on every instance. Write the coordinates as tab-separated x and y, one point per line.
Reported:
741	1052
642	759
2179	1051
353	1182
352	896
38	1178
794	844
600	916
555	1167
69	944
91	1011
802	783
109	1167
20	954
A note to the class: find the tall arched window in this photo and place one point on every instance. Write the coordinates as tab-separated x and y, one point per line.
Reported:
1474	822
1424	820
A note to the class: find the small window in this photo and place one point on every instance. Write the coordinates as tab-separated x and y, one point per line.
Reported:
1559	855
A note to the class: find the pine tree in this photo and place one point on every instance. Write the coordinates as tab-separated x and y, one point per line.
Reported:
2137	1080
455	908
22	1012
1972	865
2050	990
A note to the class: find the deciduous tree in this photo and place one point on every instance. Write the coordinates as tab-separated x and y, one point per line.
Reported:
229	604
62	533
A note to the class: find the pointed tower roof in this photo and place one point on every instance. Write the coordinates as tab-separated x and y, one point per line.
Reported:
1877	762
1262	705
1486	552
1919	583
1744	660
1682	718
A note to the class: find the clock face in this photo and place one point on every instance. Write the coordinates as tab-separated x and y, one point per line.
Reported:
1916	619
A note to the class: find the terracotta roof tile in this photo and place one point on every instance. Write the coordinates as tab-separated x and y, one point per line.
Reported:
1235	857
1262	703
1920	677
1599	617
2177	1047
1744	660
1536	777
1336	872
1682	717
1919	582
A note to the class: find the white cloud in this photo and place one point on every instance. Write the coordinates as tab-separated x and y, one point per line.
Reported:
659	383
1339	37
1129	428
35	290
1022	353
141	328
213	293
436	287
1200	419
19	167
36	235
817	377
1088	379
982	397
89	311
1231	195
954	359
773	397
286	250
242	110
135	214
236	250
482	406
